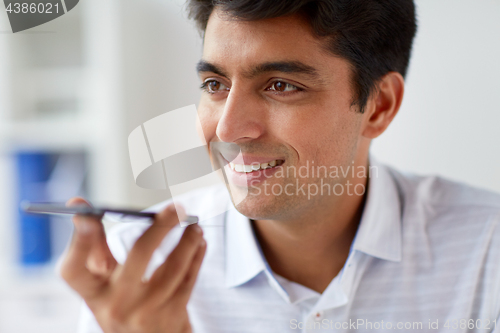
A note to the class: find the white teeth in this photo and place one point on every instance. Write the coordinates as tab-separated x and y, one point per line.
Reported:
254	167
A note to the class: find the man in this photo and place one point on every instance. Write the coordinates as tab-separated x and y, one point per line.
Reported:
351	245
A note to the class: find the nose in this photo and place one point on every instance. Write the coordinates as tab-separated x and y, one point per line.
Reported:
242	119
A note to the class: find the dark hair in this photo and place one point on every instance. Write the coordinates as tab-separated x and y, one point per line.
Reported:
375	36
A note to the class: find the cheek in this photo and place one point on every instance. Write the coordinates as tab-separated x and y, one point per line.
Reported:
326	135
208	120
199	130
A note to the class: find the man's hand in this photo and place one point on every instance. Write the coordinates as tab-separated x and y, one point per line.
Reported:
117	295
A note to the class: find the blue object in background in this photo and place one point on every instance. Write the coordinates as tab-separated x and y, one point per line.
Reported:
33	170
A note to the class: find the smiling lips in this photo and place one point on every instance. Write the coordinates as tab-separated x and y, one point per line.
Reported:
259	169
243	168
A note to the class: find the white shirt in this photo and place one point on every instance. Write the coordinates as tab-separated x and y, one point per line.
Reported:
426	255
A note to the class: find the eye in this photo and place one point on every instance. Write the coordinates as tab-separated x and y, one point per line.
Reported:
213	86
281	86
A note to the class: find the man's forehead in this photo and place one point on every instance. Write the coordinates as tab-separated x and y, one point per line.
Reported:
281	32
284	44
286	22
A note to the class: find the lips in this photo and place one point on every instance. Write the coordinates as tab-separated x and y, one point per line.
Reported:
252	174
244	169
247	168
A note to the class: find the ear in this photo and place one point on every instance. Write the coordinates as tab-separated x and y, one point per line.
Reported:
383	105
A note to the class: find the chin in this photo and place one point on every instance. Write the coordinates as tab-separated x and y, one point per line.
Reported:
263	207
256	212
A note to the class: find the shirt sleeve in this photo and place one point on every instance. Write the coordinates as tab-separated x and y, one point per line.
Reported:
496	326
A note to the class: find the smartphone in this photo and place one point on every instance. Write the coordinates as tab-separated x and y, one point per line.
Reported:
60	208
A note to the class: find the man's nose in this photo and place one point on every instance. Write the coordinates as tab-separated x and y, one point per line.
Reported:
242	119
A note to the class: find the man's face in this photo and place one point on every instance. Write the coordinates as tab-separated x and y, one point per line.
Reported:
271	88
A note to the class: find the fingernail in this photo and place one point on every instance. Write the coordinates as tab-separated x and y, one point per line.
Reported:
83	227
203	242
197	228
181	213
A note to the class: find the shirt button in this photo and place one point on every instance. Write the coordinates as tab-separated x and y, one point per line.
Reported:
318	315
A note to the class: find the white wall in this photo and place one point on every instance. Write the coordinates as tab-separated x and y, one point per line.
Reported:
449	121
160	49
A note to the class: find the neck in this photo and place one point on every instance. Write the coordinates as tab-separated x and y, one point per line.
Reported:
312	248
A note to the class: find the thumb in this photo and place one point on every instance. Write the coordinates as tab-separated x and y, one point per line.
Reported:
77	201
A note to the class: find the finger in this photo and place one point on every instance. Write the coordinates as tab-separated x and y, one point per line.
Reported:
74	267
140	254
172	272
100	260
76	201
183	292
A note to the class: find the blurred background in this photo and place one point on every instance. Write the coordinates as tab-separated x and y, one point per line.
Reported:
72	90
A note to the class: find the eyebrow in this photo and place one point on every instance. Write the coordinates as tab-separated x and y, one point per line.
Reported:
284	67
205	66
277	66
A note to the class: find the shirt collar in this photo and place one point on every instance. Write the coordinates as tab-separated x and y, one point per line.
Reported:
243	258
378	235
379	232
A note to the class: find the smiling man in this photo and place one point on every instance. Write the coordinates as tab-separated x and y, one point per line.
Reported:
273	88
326	238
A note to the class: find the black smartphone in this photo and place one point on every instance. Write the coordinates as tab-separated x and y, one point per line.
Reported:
60	208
